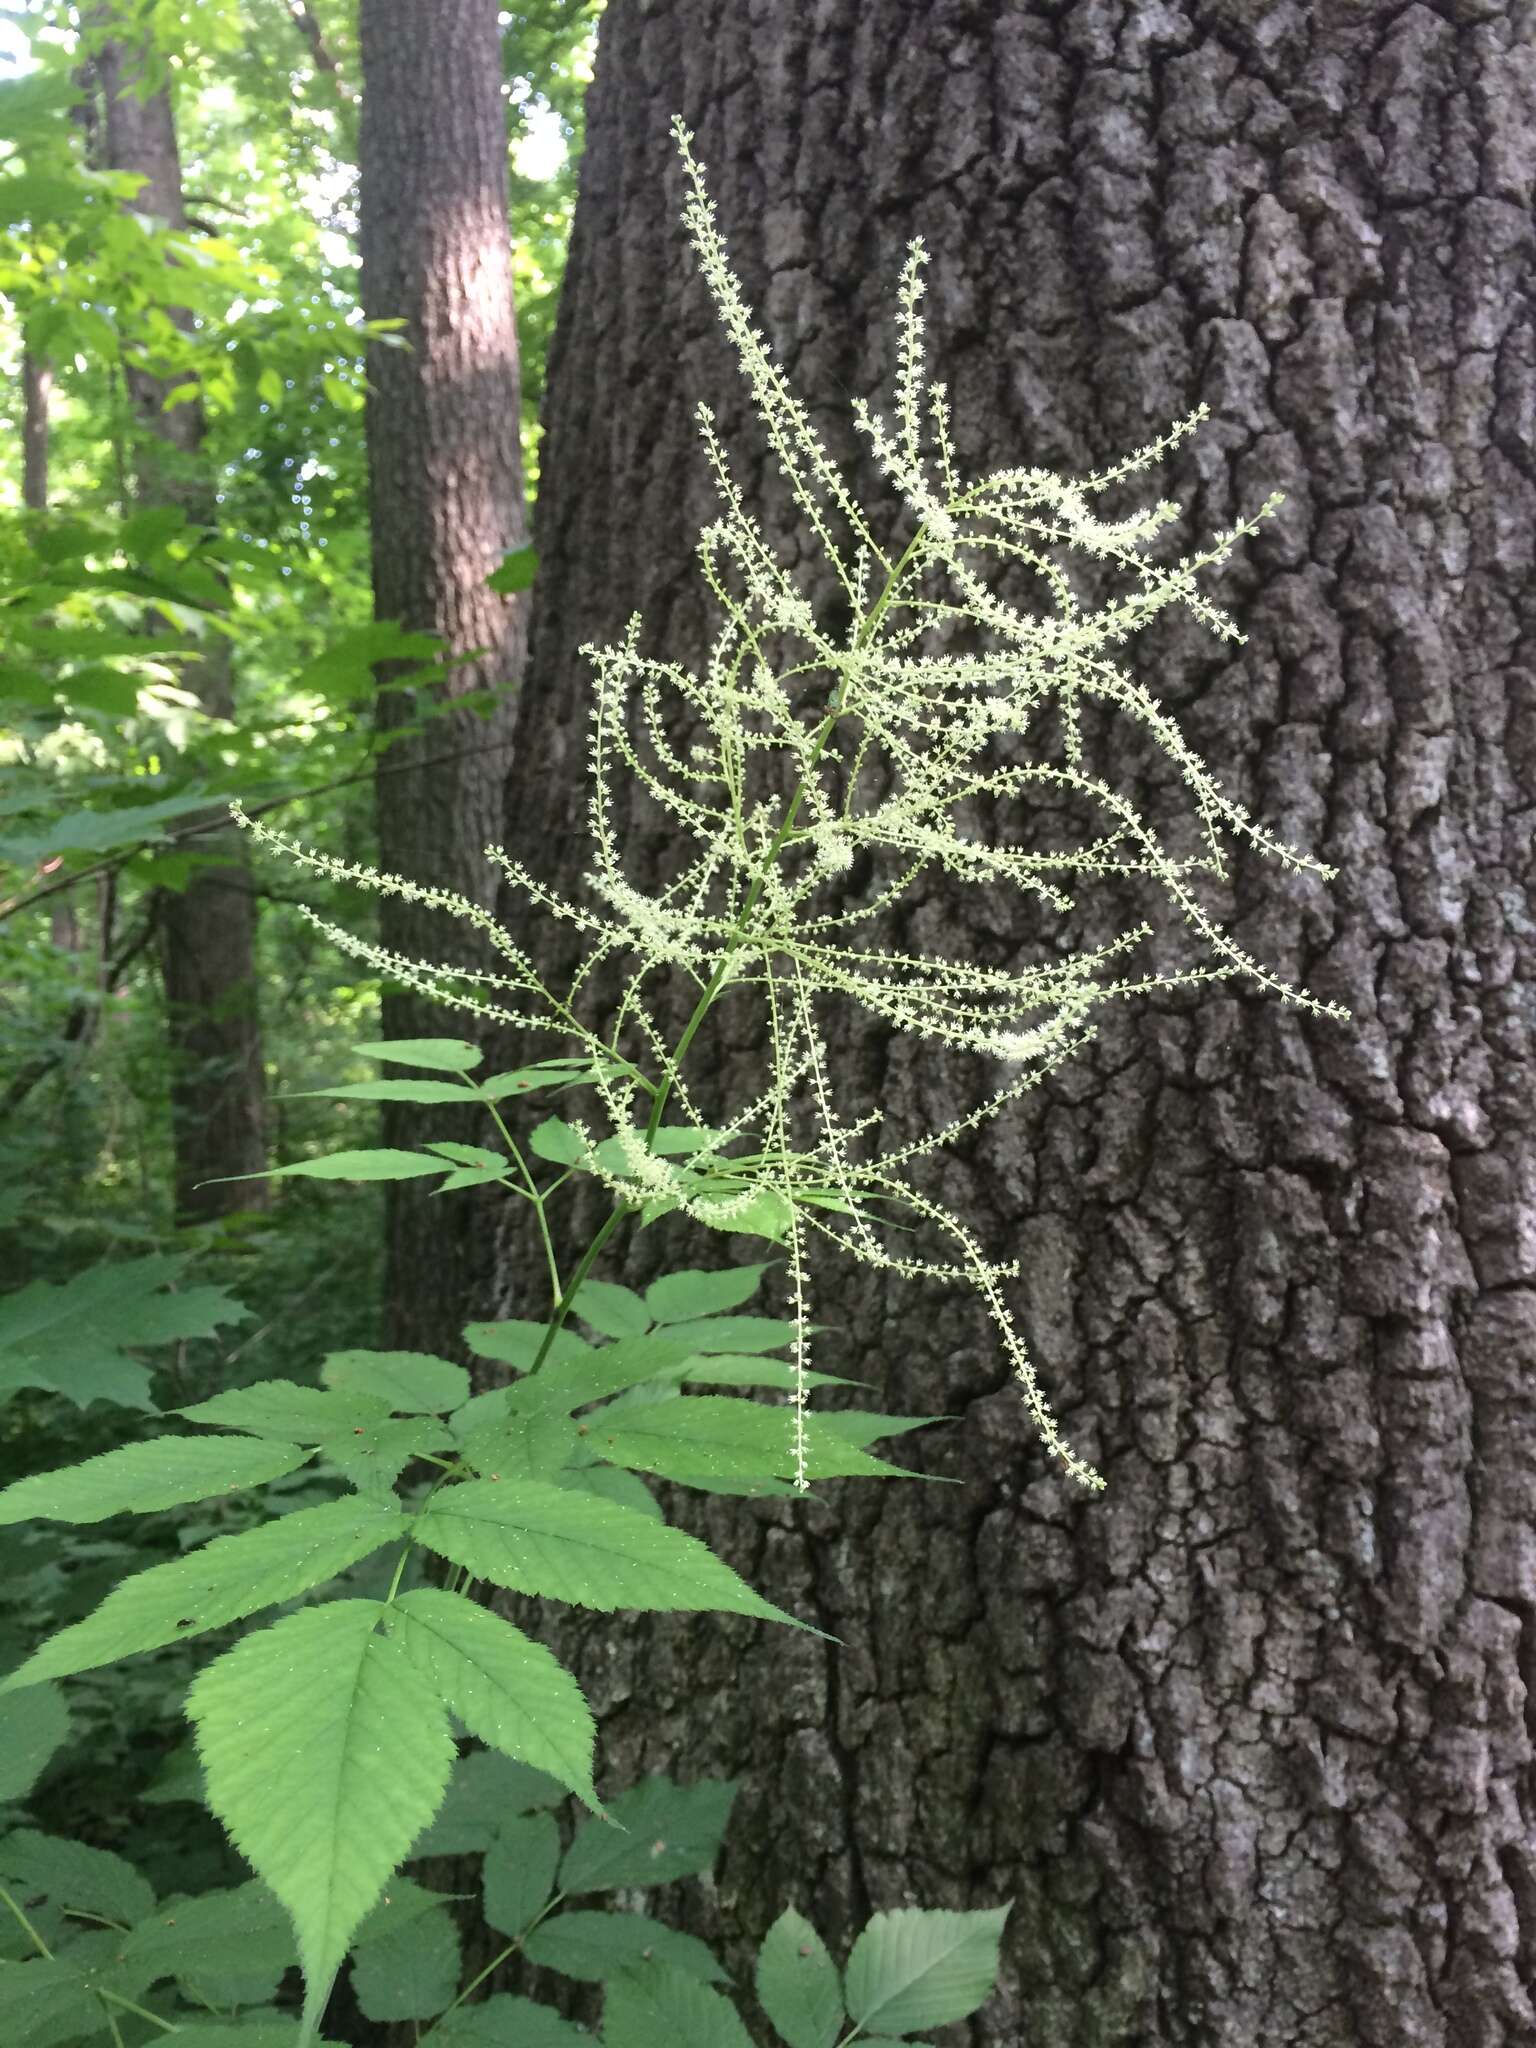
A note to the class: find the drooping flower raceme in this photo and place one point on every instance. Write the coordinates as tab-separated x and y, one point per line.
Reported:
826	778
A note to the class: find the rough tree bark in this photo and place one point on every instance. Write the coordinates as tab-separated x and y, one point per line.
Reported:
207	931
445	468
1249	1738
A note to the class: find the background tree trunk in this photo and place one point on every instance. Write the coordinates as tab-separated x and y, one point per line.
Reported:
1248	1739
36	391
445	468
207	930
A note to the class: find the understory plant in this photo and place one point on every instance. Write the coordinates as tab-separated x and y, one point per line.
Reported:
819	778
112	1965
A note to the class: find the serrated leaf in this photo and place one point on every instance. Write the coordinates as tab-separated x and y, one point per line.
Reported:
410	1382
610	1482
518	1873
712	1436
380	1163
33	1724
440	1055
507	1689
225	1947
75	1875
411	1976
547	1540
733	1333
562	1385
658	2005
486	1793
138	1478
278	1408
518	1446
392	1091
611	1310
372	1458
860	1426
913	1969
556	1141
683	1297
516	1343
506	2022
595	1946
47	2001
227	1579
326	1753
664	1830
722	1370
797	1983
479	1156
73	1339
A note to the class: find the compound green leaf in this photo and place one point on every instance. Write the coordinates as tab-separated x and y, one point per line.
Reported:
518	1873
326	1753
380	1162
517	1343
657	2005
75	1875
913	1969
280	1409
138	1478
227	1579
33	1724
682	1297
564	1545
733	1333
507	1689
797	1983
562	1385
487	1792
223	1948
664	1830
710	1436
411	1382
47	2001
595	1946
393	1091
372	1458
506	2022
413	1974
440	1055
611	1310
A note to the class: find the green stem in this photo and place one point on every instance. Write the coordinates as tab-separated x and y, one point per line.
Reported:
27	1928
534	1195
563	1305
511	1949
127	2004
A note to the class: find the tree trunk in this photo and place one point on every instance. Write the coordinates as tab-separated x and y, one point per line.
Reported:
445	467
36	391
207	929
1248	1738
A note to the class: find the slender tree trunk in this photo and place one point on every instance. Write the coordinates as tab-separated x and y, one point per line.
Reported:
36	391
445	468
208	929
1248	1739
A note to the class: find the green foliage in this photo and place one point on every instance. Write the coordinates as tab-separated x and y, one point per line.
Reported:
226	1953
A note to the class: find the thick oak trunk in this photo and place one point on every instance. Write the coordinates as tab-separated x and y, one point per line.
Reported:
445	469
207	930
1248	1739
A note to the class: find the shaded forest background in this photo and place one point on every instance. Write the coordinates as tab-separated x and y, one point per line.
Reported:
1249	1742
